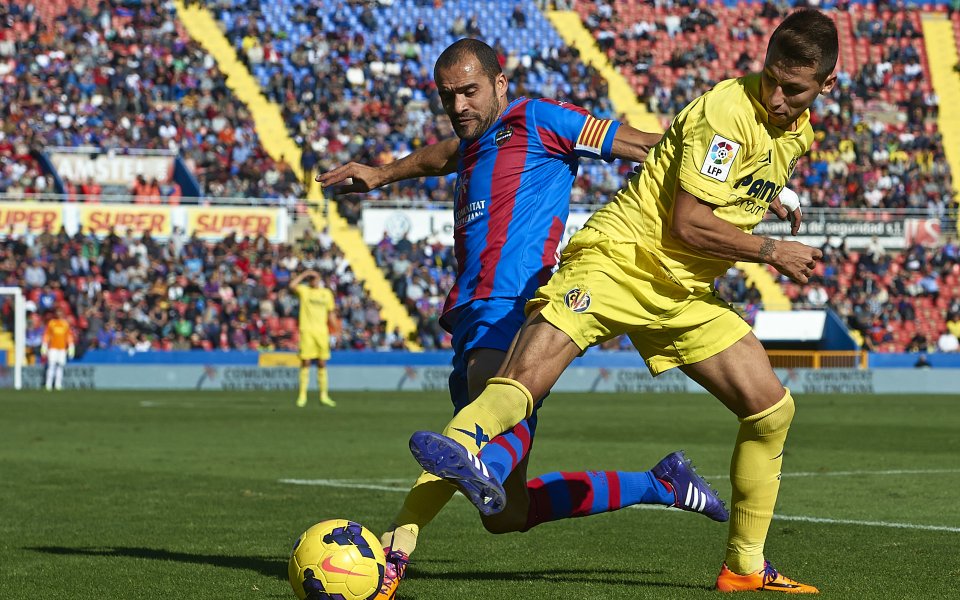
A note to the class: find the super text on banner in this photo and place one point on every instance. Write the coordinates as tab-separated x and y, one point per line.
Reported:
100	219
217	223
30	217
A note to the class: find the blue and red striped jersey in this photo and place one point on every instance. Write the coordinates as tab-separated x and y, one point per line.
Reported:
513	197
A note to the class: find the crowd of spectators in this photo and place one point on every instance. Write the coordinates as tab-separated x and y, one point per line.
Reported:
871	151
420	273
123	75
895	301
137	293
385	104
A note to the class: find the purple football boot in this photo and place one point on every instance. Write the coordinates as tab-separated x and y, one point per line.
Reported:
692	492
448	459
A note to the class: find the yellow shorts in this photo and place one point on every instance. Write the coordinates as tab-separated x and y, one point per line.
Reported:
314	345
604	289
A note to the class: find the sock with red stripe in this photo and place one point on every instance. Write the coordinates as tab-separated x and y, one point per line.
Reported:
556	496
504	452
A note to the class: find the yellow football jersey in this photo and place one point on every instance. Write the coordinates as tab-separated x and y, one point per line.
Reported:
315	304
720	149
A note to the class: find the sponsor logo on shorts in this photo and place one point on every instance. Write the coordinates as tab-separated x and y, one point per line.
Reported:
577	300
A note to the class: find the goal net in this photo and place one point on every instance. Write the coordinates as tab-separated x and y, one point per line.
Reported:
13	330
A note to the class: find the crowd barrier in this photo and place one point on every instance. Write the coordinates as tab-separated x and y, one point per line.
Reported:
429	371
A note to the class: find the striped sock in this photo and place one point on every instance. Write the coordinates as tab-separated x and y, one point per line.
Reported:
556	496
504	452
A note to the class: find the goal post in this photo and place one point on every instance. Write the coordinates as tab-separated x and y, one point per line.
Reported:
19	332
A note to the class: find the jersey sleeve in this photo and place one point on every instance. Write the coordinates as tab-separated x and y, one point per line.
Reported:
568	130
716	148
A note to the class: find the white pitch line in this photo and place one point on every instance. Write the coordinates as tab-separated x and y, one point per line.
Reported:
358	485
887	524
339	483
854	473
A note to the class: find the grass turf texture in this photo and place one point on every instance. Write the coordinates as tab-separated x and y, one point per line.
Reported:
178	495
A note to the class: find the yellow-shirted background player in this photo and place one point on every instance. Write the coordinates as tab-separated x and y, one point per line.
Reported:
317	309
57	346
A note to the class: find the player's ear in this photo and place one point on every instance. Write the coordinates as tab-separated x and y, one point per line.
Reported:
501	85
828	84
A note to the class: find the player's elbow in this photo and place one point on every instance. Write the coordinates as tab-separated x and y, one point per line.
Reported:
688	233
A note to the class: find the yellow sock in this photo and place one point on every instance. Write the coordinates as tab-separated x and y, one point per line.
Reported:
423	502
503	404
304	381
755	475
401	537
322	382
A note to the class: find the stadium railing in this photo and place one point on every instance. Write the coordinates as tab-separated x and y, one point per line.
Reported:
818	359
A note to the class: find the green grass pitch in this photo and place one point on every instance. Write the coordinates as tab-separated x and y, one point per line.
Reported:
115	495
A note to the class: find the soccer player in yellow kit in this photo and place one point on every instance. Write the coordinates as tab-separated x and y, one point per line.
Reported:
316	310
644	265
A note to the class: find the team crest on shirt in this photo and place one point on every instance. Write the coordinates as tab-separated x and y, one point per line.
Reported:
577	299
719	158
503	136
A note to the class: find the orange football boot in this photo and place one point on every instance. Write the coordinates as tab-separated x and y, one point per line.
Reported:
766	579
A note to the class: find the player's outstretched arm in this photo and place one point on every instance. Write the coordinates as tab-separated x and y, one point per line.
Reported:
299	278
435	159
695	225
632	144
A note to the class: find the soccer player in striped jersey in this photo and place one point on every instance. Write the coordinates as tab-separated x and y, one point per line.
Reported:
516	162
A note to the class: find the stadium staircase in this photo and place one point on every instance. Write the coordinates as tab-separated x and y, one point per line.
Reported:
624	98
274	137
622	95
940	37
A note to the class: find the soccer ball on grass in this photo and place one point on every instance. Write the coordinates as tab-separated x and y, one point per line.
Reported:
336	560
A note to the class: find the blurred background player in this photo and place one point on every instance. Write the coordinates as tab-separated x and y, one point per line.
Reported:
57	346
317	309
645	265
516	163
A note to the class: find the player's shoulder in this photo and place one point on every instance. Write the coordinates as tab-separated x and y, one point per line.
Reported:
549	106
729	109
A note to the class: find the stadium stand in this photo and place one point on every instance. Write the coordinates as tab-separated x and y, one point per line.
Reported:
137	81
383	54
138	294
878	147
877	140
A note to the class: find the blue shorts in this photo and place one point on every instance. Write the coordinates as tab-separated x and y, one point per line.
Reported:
487	323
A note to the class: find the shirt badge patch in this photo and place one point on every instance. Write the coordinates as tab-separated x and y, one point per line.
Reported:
577	300
719	159
503	136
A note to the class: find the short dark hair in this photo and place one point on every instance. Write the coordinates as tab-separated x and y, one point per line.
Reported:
469	47
807	38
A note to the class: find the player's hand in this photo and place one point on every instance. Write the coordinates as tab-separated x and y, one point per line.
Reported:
795	260
363	178
71	352
795	216
43	350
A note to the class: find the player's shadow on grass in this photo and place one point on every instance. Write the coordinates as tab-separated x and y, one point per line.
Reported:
270	567
616	577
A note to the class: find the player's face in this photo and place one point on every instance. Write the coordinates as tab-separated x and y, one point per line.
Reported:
469	98
787	90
